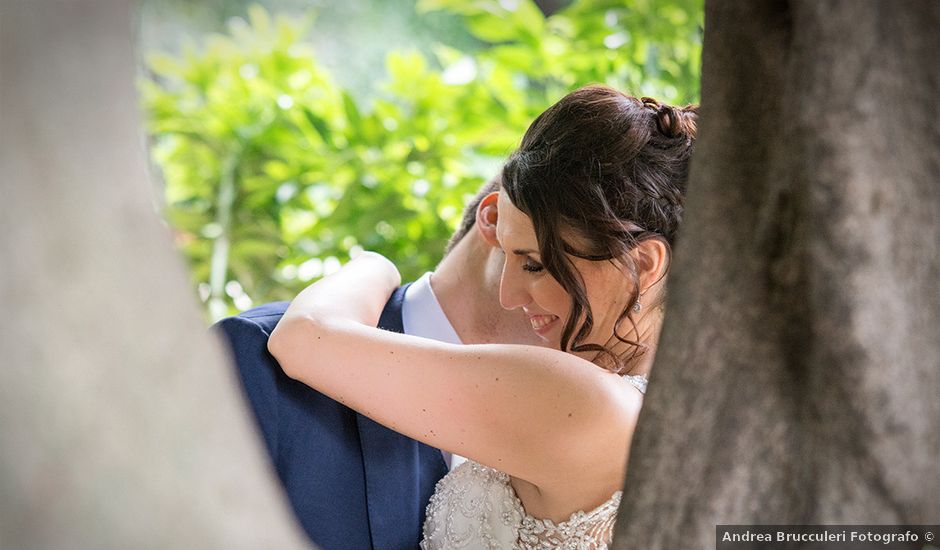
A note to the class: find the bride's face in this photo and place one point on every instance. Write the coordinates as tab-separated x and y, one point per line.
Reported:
526	284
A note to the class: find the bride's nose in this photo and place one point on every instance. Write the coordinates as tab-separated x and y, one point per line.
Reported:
512	290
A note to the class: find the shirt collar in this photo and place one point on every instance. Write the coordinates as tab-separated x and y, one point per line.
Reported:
421	313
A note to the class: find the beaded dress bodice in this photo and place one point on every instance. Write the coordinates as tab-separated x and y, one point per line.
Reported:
475	507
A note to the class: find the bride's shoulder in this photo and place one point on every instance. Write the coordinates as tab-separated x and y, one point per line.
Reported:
608	394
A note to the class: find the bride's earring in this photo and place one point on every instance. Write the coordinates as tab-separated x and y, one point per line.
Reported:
637	306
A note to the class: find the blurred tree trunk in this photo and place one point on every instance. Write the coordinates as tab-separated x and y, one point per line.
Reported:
798	375
549	7
122	426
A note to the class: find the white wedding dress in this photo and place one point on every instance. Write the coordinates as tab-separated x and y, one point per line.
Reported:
475	507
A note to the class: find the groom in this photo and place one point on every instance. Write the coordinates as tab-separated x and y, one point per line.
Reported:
352	482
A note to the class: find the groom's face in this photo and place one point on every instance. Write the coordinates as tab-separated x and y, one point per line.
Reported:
526	284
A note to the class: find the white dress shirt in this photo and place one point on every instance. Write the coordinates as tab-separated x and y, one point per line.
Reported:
421	315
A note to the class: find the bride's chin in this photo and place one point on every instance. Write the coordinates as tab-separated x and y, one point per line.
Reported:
552	342
552	338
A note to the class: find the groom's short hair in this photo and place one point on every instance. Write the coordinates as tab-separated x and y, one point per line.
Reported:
470	213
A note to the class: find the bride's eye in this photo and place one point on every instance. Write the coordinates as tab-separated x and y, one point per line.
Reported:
532	267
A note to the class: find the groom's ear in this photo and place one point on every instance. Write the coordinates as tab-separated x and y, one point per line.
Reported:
486	218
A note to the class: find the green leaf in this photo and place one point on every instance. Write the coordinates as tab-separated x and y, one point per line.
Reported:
490	28
320	125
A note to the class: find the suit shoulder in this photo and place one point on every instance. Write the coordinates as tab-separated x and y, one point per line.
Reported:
264	317
265	310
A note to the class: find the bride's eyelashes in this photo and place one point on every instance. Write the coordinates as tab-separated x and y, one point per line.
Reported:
532	267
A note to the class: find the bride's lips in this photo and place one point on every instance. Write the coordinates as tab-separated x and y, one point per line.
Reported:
542	324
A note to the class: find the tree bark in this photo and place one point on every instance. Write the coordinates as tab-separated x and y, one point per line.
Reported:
121	426
797	376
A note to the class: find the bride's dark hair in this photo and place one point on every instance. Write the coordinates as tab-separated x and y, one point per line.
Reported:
611	171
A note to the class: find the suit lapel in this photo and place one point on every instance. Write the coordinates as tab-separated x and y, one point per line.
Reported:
397	469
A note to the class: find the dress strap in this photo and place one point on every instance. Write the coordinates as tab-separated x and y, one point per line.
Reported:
639	381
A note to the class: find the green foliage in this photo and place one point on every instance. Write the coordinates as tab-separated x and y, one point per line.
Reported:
274	173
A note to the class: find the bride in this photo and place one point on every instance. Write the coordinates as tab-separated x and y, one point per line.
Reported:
587	213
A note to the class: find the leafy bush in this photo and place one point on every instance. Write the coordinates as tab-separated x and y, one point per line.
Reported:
274	174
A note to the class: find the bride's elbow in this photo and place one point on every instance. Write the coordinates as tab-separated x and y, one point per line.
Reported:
286	343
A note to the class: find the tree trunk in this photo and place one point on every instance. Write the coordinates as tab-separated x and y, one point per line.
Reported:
121	426
799	368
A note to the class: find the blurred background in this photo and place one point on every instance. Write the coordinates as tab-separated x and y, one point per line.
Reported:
287	135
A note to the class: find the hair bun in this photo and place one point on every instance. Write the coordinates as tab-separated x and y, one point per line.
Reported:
674	122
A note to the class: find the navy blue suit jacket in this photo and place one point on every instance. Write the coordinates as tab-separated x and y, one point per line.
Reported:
353	483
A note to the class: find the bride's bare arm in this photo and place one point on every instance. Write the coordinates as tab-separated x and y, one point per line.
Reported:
530	412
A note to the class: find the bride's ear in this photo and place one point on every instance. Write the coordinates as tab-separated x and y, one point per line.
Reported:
651	257
487	215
